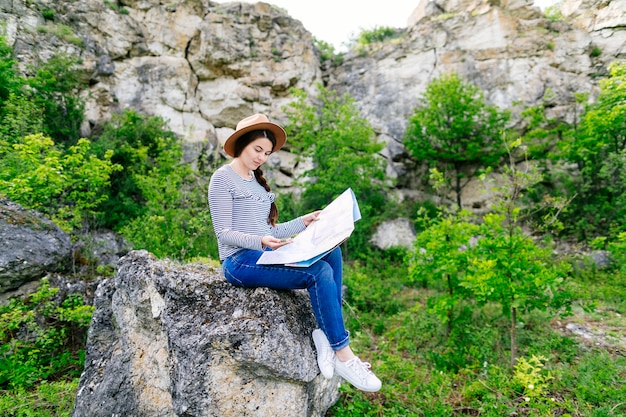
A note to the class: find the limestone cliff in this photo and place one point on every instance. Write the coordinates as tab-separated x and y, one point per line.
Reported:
203	65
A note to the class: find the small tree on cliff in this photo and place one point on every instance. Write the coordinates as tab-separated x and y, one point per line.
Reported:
341	145
455	131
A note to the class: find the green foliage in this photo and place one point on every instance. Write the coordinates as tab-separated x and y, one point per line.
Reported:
341	145
48	14
493	263
595	52
598	148
617	248
138	144
441	254
454	130
424	375
21	117
377	34
553	13
116	7
156	201
176	223
68	187
55	89
9	79
327	52
48	399
531	377
42	338
47	102
61	31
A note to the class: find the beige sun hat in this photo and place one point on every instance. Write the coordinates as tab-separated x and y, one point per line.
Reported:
255	122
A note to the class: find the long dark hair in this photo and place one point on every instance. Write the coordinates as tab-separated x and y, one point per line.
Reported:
244	141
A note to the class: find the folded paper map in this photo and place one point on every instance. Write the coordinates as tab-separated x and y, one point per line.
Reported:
334	225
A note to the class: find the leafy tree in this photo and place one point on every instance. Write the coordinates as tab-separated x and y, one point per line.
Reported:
456	131
343	151
66	186
598	148
509	268
443	253
137	142
55	88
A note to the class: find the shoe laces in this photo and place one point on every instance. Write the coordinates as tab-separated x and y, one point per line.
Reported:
362	369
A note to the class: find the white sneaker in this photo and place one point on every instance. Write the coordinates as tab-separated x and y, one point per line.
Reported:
325	354
358	374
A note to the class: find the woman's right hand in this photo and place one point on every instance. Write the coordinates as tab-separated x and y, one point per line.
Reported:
274	243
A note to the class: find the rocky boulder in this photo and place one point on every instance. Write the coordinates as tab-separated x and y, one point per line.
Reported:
177	340
31	246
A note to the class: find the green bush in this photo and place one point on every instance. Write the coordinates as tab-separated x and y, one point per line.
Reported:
138	144
597	147
67	187
377	34
48	399
42	338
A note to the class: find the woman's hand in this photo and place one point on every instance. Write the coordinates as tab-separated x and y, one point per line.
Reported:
311	217
274	243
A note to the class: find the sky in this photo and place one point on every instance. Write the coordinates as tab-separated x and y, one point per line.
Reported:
338	21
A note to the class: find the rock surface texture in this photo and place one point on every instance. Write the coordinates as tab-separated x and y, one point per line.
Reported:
508	48
31	246
203	65
177	340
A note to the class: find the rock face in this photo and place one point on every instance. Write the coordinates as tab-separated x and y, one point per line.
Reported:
31	246
394	233
203	66
174	340
200	65
507	48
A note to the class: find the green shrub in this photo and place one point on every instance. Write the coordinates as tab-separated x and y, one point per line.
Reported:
55	89
595	52
48	399
48	14
327	52
377	34
42	339
67	187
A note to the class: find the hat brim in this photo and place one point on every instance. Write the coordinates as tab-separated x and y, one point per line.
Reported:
279	134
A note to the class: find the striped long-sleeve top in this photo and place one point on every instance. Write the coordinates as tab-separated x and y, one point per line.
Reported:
239	210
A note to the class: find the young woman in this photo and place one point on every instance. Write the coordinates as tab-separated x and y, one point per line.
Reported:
245	220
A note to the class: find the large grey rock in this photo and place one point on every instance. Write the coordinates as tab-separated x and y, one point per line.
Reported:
177	340
30	246
394	233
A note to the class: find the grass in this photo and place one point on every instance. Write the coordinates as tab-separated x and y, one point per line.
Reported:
424	373
49	399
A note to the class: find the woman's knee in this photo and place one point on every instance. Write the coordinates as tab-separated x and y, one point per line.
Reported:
322	274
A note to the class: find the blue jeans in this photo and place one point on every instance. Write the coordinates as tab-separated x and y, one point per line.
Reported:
323	280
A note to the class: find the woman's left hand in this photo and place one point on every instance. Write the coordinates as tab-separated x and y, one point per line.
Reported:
311	217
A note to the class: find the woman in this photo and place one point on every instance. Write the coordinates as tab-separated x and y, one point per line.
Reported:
245	220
